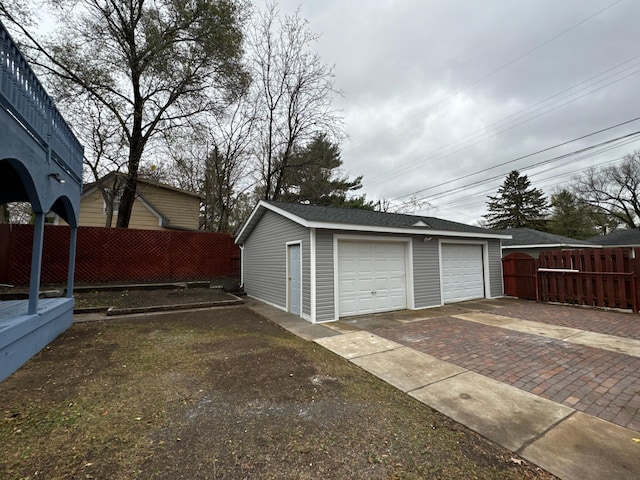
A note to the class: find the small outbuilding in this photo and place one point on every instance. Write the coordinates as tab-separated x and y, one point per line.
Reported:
324	263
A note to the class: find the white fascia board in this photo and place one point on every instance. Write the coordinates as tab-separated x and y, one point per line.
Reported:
279	211
549	245
410	231
285	214
247	222
159	215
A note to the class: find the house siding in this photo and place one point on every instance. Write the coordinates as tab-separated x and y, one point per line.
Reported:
325	293
182	210
92	210
265	260
496	284
426	273
92	214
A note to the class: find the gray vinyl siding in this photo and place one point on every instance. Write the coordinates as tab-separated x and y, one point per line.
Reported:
495	269
265	260
426	273
306	272
325	308
264	265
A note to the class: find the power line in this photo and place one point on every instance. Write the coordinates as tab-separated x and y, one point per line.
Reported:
519	158
498	69
544	162
577	159
504	125
465	201
455	206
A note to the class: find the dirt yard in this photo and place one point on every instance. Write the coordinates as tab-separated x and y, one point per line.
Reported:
129	298
222	394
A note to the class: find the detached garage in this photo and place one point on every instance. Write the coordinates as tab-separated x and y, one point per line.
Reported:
324	263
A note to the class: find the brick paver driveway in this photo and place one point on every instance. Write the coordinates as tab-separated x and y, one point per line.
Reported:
590	319
598	382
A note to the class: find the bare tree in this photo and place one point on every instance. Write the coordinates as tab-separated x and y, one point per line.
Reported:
105	149
293	90
227	167
213	158
613	189
150	63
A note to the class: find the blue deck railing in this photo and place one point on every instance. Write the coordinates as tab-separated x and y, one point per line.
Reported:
22	94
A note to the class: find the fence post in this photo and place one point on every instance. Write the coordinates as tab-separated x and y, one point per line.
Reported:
537	279
634	305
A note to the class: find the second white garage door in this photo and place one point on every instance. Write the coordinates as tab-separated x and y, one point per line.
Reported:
462	272
371	277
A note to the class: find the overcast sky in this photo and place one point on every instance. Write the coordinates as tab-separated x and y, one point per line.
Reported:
436	90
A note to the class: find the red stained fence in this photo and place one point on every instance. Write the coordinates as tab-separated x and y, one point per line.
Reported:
118	255
600	277
519	275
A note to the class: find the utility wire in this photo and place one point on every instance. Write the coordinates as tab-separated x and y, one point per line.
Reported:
496	70
472	200
519	158
504	125
607	148
561	157
455	207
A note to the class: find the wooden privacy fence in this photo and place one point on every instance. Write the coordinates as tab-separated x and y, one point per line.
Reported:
599	277
118	255
519	275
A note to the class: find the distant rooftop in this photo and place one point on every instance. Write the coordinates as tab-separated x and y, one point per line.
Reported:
626	237
528	237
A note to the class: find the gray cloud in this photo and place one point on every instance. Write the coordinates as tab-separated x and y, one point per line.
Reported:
421	80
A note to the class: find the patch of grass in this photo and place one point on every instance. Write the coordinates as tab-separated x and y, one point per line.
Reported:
222	394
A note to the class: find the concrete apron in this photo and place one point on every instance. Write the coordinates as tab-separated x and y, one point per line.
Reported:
569	444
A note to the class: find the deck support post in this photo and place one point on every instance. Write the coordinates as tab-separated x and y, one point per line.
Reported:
73	238
36	262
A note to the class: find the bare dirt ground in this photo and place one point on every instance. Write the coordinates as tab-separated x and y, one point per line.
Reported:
222	394
129	298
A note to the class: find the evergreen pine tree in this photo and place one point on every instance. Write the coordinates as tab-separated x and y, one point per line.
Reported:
517	205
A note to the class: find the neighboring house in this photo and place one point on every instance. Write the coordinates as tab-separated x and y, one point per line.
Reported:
323	263
157	206
532	242
40	163
619	238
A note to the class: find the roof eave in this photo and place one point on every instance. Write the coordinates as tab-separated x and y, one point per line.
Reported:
552	245
248	226
411	231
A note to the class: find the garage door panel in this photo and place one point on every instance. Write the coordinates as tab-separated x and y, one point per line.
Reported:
462	272
373	276
366	284
394	284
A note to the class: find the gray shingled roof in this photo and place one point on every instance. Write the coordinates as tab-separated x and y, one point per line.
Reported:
619	237
362	220
527	236
356	216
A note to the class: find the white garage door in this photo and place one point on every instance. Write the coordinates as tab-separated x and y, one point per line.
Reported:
462	272
371	277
